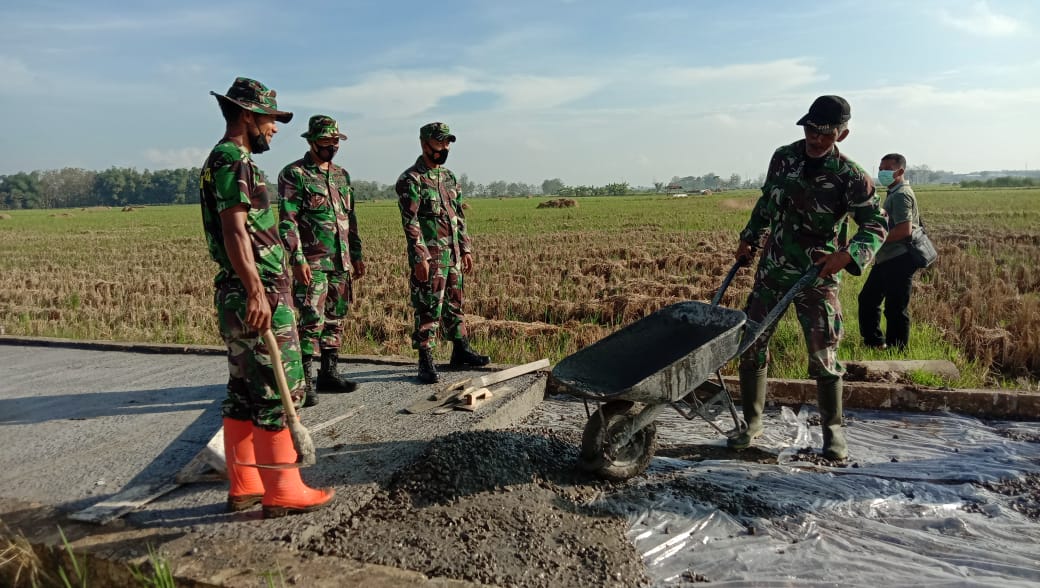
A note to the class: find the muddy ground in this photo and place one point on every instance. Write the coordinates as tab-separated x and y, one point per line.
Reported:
511	508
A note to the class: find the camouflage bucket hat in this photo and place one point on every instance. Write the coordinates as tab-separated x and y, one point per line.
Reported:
321	126
438	131
254	97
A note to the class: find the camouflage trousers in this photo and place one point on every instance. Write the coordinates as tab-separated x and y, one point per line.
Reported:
252	392
323	304
819	313
438	301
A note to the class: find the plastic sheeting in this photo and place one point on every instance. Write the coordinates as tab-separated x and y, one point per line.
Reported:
908	510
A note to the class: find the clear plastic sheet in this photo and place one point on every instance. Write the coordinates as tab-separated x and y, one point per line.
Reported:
909	510
907	514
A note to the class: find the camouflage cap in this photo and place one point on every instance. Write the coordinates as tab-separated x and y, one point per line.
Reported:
438	131
254	97
827	114
322	126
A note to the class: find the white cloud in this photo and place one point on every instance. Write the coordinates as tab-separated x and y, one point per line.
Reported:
405	94
176	158
387	94
16	75
982	21
779	74
208	19
537	92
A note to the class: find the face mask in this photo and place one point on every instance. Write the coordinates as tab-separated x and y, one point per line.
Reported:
258	143
886	177
326	153
439	156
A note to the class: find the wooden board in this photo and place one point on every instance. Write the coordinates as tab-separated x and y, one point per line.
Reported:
449	394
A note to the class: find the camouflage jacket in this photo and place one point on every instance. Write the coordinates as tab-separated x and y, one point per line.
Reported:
431	212
318	223
805	212
230	177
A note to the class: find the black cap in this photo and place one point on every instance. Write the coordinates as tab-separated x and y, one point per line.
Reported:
826	114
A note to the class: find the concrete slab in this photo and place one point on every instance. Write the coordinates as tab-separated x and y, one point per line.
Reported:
78	425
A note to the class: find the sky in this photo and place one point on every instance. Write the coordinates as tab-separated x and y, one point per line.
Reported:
587	91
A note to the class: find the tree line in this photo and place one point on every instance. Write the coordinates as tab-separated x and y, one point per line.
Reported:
73	187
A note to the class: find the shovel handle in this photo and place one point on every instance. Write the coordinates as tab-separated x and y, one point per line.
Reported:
279	375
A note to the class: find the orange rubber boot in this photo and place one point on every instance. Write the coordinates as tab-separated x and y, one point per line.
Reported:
284	490
246	486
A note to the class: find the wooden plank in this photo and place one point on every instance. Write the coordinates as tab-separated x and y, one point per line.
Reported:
125	501
446	398
473	398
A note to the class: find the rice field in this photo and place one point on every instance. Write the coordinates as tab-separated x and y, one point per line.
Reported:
547	281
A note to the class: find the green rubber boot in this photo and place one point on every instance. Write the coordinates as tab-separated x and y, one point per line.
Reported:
753	397
828	392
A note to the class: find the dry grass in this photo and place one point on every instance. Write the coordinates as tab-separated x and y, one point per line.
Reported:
545	285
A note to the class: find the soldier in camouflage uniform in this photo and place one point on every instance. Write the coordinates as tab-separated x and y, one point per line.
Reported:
320	231
439	251
810	190
252	295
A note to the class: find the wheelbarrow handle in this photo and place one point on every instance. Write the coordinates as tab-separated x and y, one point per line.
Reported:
742	262
755	330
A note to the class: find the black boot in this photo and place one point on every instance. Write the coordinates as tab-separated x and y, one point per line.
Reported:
462	355
310	397
753	397
329	379
829	397
427	369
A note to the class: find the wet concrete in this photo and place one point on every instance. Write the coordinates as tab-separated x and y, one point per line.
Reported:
79	425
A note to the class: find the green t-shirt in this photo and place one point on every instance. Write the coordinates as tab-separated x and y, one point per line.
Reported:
901	206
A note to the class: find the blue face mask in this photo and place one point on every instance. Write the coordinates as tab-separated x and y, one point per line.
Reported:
886	177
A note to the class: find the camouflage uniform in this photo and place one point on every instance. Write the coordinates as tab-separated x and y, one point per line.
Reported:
435	230
804	212
320	228
229	178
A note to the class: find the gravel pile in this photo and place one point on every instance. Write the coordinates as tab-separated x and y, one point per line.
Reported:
508	508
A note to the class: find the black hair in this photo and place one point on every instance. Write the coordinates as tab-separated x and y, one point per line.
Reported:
230	110
897	158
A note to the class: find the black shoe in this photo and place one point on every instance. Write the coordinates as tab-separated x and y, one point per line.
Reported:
427	369
310	395
878	346
462	355
329	379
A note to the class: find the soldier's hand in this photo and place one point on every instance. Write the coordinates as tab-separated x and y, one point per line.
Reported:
744	253
302	274
359	269
422	271
258	311
833	263
467	263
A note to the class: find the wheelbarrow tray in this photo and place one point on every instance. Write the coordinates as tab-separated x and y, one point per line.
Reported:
660	358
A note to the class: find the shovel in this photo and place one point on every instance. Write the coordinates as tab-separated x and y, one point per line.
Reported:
301	437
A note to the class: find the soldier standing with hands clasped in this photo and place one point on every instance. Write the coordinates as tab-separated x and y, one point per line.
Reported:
439	251
810	190
252	295
320	231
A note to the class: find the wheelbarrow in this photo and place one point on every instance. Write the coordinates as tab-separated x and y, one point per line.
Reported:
665	359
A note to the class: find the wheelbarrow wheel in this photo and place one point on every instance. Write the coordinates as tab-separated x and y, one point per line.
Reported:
616	463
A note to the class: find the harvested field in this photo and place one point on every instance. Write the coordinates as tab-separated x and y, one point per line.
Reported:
544	285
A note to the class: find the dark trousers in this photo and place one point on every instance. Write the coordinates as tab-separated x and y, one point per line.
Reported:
890	282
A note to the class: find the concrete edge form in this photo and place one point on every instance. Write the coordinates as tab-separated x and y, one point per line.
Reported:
979	402
177	348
